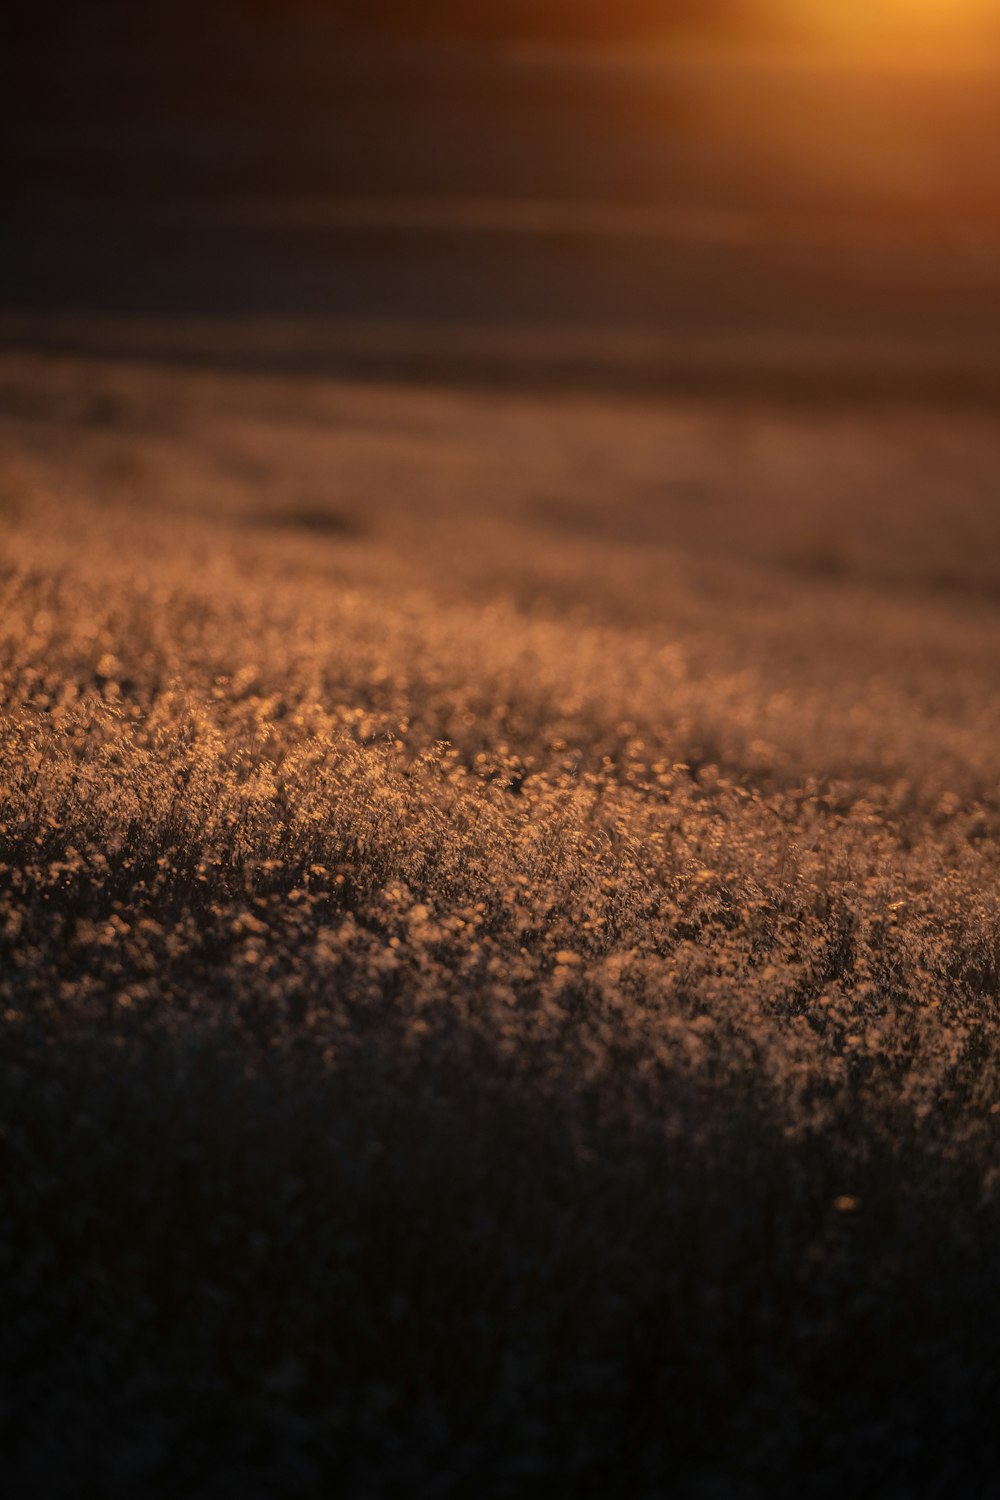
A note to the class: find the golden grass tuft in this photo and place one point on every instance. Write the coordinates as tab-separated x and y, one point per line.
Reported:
491	1003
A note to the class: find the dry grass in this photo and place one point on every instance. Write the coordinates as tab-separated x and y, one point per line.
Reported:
500	943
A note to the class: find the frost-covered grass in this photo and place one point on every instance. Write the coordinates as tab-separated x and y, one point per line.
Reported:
500	944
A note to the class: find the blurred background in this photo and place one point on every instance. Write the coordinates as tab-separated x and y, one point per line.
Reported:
786	197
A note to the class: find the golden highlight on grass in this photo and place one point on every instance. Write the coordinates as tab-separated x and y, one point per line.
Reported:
499	985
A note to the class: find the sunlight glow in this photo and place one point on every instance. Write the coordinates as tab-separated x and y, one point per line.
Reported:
903	29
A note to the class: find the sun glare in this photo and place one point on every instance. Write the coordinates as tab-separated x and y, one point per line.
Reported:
903	29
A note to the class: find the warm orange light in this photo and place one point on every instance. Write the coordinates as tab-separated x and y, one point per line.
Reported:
901	28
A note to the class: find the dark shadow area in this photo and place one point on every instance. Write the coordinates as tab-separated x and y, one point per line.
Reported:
313	519
421	1270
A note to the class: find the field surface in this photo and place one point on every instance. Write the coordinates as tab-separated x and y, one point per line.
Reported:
499	770
500	940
